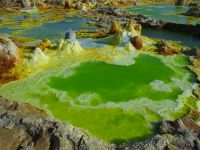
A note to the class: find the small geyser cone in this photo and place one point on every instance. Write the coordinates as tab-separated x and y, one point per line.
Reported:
70	44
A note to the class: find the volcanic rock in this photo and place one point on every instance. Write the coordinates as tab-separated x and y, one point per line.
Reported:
8	54
164	48
137	42
115	27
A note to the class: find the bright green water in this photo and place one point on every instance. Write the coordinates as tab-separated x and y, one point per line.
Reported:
115	103
116	83
166	12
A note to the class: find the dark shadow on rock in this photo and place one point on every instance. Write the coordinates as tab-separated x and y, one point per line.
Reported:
55	143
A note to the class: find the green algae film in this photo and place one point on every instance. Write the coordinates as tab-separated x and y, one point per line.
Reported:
114	103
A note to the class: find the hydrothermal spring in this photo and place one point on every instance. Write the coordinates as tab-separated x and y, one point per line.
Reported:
119	99
113	102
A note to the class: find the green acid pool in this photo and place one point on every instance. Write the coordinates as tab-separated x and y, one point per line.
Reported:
165	12
113	102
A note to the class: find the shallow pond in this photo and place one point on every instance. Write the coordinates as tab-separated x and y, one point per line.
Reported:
113	102
57	30
34	26
183	38
165	12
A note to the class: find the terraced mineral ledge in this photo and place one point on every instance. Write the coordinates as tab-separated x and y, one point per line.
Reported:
99	75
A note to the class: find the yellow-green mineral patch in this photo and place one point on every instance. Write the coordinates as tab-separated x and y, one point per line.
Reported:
110	101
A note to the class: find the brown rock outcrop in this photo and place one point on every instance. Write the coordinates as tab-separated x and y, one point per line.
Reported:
164	48
8	54
137	42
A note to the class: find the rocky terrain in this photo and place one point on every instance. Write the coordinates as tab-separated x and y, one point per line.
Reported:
25	127
120	15
179	135
9	55
74	3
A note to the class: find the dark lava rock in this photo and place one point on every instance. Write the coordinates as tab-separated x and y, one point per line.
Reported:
137	42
